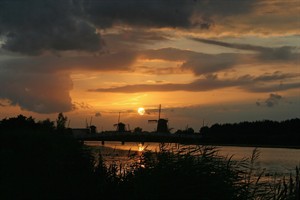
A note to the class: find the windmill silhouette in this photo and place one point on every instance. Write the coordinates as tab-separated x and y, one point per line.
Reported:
120	127
162	124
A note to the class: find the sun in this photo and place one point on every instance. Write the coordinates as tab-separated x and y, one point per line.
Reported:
141	111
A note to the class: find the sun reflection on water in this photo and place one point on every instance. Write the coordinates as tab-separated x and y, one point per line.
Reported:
141	147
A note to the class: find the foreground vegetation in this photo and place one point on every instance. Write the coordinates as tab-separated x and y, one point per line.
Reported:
41	161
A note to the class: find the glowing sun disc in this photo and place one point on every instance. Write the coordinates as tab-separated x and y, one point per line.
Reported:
141	111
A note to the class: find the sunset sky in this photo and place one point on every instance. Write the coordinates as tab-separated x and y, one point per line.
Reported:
214	60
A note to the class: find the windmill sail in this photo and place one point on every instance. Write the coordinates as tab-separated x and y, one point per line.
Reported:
152	121
162	124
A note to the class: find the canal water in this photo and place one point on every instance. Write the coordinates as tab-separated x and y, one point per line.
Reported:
279	161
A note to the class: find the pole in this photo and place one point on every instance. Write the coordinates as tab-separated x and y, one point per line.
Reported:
91	121
159	110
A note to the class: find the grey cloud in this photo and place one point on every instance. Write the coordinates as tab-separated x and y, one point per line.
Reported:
268	77
271	101
142	88
81	105
206	63
158	70
276	76
284	53
199	63
273	87
98	114
133	39
247	82
230	45
137	36
41	93
198	85
51	63
42	84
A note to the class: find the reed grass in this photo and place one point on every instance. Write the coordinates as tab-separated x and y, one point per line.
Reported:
197	172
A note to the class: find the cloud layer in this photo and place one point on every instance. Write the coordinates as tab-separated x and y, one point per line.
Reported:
31	27
271	101
247	82
43	42
41	93
34	26
285	53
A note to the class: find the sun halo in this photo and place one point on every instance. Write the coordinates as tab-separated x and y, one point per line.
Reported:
141	111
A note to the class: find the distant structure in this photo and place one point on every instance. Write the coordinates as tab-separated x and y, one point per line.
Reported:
82	132
120	127
162	124
93	129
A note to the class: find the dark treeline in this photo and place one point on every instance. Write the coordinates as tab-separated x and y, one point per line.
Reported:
259	132
39	160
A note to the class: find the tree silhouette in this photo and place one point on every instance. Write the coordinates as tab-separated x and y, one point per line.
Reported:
47	125
137	130
61	122
190	130
258	132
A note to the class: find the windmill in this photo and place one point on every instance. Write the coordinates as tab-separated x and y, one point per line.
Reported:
121	127
91	128
162	124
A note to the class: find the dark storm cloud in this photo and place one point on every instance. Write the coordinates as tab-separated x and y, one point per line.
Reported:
162	13
41	93
33	26
247	82
284	53
142	13
149	13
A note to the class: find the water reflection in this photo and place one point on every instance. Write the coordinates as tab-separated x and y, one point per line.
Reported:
141	147
275	160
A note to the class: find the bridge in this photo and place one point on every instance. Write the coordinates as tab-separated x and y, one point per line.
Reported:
142	137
